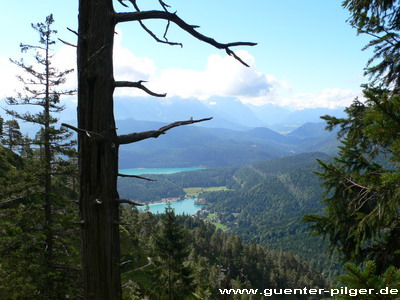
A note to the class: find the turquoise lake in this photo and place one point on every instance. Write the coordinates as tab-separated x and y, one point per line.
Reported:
185	206
142	171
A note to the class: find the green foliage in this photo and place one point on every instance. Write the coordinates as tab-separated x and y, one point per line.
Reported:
173	185
8	160
170	251
206	257
38	240
216	148
381	20
11	134
362	207
269	205
265	203
365	283
361	219
24	270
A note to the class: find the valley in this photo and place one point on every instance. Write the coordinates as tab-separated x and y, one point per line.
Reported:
263	202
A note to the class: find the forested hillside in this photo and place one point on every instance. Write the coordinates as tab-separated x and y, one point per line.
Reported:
270	203
297	154
172	185
216	147
205	259
25	270
264	202
198	260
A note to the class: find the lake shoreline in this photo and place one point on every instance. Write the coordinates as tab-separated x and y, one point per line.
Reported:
158	171
180	206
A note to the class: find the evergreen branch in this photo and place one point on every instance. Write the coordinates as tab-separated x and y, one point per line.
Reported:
5	204
138	136
138	85
25	192
136	176
165	15
356	184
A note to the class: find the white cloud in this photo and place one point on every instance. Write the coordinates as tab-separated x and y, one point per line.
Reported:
9	84
222	76
329	98
129	67
65	59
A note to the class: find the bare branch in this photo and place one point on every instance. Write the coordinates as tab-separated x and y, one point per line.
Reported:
150	262
165	15
155	37
68	44
231	53
122	3
73	31
356	184
126	262
87	132
127	201
136	176
81	223
138	136
138	85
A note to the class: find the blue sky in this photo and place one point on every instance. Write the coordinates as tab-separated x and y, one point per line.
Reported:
307	55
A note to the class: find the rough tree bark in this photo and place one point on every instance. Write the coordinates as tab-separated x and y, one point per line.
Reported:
98	140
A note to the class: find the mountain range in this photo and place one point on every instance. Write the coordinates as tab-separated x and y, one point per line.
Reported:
227	112
189	146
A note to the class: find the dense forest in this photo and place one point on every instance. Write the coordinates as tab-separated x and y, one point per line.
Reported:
264	203
199	259
216	147
290	221
202	258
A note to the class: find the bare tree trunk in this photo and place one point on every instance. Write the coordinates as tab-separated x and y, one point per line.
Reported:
98	156
98	140
48	210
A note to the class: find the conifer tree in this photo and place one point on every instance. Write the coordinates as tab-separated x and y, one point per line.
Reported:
365	283
47	202
170	251
379	19
11	134
362	190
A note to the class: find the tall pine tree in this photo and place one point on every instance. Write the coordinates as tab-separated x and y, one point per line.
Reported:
37	226
362	191
170	251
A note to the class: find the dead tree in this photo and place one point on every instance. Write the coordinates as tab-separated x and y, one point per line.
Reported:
98	139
